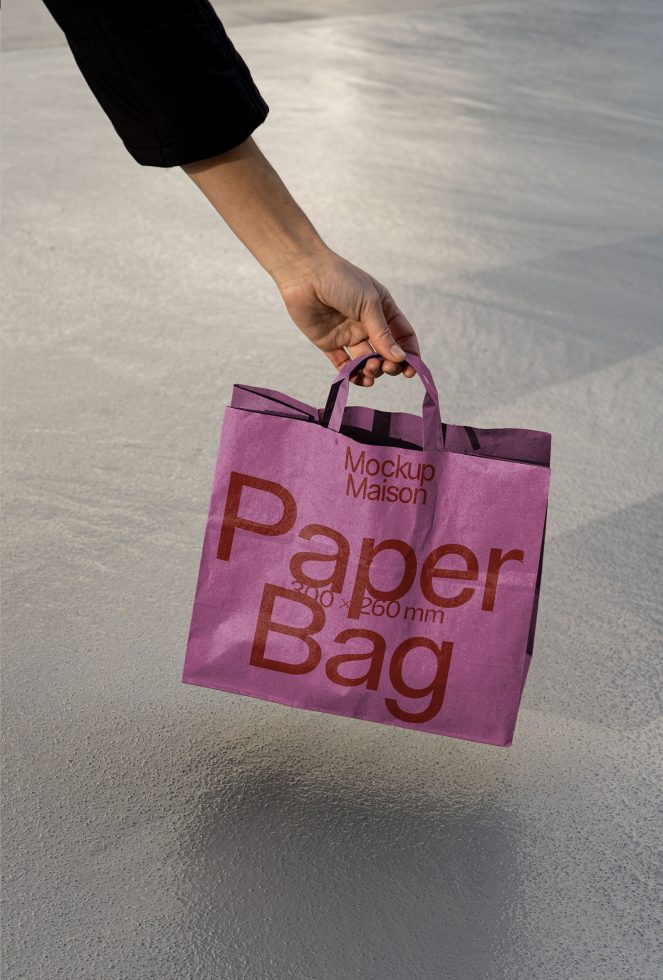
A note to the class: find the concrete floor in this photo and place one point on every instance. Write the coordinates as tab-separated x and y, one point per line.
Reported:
499	166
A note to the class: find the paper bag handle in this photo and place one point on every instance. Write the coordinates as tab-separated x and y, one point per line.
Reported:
332	415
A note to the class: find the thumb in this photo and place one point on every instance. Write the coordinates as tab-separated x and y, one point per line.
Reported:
379	334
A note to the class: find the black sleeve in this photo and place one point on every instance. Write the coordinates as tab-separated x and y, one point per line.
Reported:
166	74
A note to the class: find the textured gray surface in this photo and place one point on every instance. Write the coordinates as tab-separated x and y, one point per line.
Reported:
499	166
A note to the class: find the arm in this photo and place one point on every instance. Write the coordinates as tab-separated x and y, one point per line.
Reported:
334	303
179	94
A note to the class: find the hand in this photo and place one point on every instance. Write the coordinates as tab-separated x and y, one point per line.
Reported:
337	305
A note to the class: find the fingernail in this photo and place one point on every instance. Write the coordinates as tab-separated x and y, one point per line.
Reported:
397	351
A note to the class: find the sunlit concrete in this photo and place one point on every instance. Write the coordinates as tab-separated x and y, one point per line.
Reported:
499	166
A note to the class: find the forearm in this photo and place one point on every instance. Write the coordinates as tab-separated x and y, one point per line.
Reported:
254	202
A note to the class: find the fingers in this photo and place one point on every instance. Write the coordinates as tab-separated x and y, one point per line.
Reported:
400	329
370	370
372	323
387	329
379	334
363	377
383	340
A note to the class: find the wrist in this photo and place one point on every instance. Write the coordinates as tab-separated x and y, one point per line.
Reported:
297	260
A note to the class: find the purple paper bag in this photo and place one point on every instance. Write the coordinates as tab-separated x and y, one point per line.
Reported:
378	565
